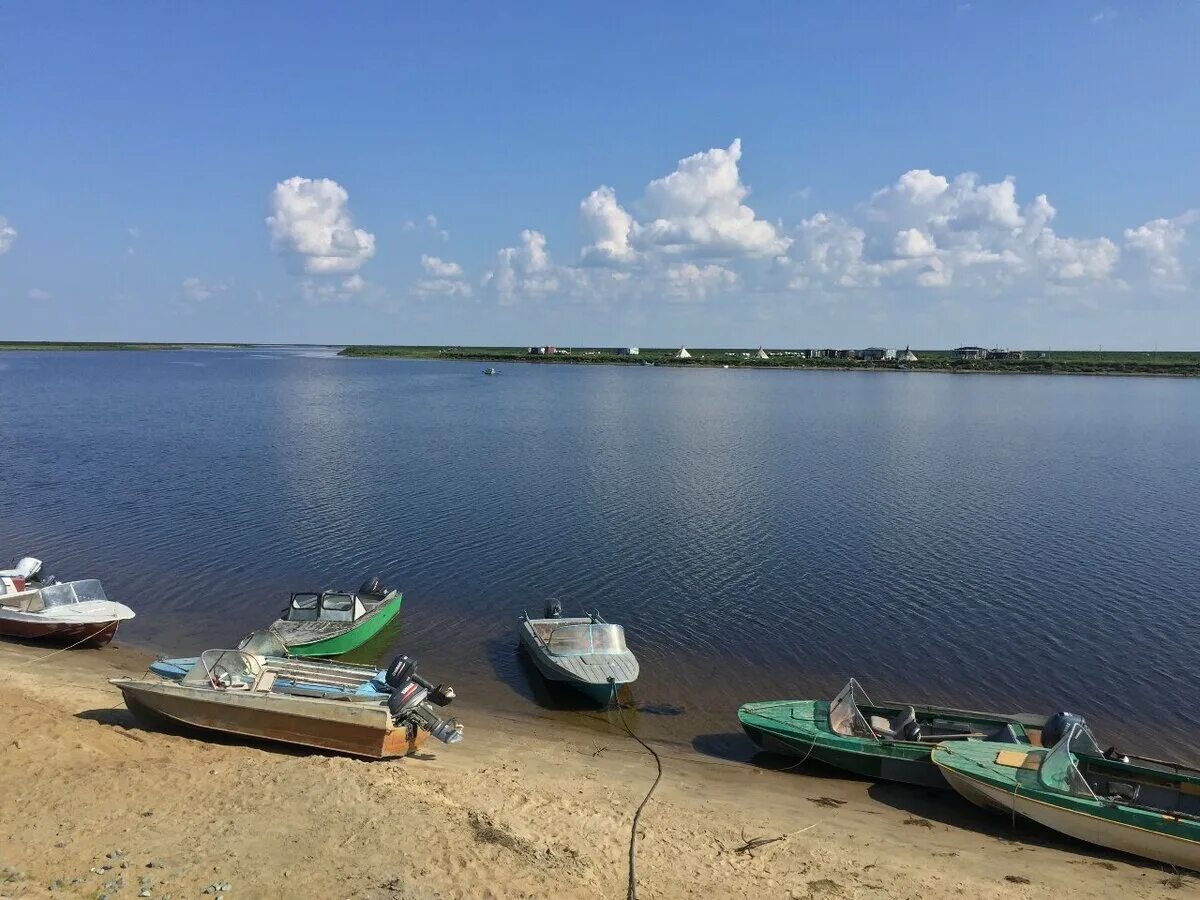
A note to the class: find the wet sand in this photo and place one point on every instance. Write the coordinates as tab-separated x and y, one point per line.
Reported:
524	807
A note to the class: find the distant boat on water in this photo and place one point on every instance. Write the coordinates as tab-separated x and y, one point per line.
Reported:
490	371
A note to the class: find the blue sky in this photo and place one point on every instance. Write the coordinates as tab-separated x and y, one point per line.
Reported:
780	174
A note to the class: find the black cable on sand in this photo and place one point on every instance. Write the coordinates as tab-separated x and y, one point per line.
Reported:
632	895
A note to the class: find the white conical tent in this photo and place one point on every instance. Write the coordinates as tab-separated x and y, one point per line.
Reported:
683	354
762	354
908	356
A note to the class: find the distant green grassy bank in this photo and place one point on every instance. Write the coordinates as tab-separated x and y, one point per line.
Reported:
1073	362
106	345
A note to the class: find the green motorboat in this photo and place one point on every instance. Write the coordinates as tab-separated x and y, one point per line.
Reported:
330	623
891	742
1145	807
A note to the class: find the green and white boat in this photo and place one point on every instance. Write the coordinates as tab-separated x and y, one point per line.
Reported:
330	623
1145	807
891	741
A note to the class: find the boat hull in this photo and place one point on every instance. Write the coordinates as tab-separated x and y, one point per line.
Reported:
1166	848
351	729
914	767
82	634
800	728
365	629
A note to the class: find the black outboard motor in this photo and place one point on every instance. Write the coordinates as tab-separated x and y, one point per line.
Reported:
372	587
553	610
411	699
1057	727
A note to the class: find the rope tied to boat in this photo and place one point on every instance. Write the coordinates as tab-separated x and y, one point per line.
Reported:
632	892
82	640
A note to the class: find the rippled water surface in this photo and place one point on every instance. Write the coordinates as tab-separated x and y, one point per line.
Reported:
1004	542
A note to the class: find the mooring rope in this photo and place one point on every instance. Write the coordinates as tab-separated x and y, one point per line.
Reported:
82	640
632	894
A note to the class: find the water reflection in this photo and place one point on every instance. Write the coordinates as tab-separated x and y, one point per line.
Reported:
1005	543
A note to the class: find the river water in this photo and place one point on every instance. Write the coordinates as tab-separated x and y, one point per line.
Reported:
997	542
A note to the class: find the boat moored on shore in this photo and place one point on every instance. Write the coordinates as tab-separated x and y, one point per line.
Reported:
345	709
890	742
79	613
1145	807
330	623
585	653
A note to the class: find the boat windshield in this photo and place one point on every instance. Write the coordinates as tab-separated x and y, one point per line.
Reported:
580	640
845	718
339	607
224	670
304	607
1059	771
72	592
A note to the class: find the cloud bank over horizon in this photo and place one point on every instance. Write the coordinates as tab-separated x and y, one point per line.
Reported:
695	237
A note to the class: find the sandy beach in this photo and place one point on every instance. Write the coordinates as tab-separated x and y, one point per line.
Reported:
96	805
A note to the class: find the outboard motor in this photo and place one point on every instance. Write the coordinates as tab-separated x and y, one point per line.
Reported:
411	699
27	571
1057	727
372	587
553	610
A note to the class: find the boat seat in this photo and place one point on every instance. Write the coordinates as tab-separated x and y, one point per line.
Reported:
900	728
1122	791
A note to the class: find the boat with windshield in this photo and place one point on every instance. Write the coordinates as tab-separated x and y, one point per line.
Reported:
330	706
585	652
890	741
1146	807
35	605
330	623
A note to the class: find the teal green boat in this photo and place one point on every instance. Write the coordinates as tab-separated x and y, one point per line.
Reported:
1145	807
330	623
891	742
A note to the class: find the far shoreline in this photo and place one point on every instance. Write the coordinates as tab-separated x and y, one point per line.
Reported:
1189	367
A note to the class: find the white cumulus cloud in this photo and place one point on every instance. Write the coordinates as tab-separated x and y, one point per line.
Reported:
608	227
693	235
443	278
695	211
1157	245
440	267
310	218
198	289
525	270
692	282
332	290
8	234
929	231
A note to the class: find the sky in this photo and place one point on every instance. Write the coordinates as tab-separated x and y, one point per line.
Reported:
711	174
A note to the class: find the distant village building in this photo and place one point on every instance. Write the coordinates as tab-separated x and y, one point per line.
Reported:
1005	354
628	351
968	353
762	354
683	354
878	353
